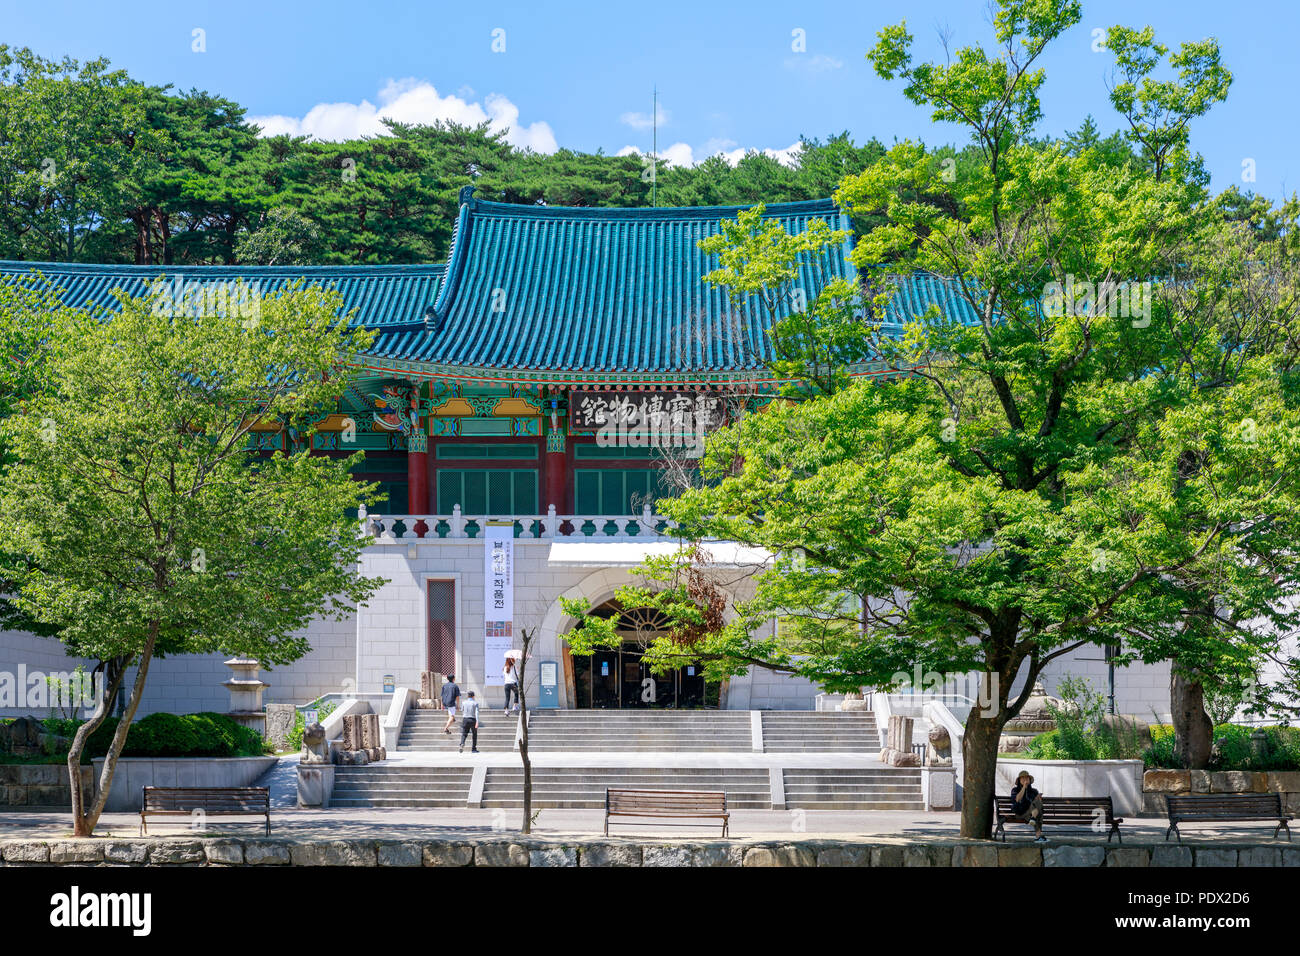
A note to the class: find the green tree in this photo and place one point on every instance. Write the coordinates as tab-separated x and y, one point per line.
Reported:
71	136
150	525
27	310
1050	469
282	237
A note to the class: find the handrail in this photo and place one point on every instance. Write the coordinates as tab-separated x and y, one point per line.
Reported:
401	701
881	710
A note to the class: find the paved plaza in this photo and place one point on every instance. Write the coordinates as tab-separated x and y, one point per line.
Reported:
398	824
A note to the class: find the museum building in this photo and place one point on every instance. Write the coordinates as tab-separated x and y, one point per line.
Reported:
502	408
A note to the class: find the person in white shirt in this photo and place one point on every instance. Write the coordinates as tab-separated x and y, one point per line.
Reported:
512	683
469	722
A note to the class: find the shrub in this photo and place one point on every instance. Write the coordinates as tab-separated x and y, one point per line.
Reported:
180	735
1080	733
1233	749
61	726
295	735
1161	752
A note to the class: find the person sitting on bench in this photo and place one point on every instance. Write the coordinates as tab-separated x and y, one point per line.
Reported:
1027	803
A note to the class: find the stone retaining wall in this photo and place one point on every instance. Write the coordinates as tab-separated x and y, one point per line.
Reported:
134	773
522	851
41	785
1121	780
1157	783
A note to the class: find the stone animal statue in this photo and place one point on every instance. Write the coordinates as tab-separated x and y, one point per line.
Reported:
315	748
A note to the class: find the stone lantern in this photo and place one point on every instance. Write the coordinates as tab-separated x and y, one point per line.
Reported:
1034	718
246	690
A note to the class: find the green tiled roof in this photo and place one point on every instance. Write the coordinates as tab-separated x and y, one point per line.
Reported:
598	290
540	294
382	295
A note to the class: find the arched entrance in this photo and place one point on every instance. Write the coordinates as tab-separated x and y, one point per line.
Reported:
619	678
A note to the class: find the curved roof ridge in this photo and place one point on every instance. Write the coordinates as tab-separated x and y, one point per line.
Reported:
804	207
130	269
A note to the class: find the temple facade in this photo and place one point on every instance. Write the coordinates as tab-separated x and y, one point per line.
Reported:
515	409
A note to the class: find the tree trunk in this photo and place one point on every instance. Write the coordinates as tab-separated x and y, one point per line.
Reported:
979	748
165	234
83	824
141	231
1193	729
115	670
527	825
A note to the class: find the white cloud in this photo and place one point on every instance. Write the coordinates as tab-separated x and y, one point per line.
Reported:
817	63
410	101
678	154
683	154
717	145
644	120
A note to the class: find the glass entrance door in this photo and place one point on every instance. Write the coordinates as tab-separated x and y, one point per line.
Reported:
605	679
621	679
652	690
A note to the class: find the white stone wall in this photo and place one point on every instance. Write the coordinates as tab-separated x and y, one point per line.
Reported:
762	689
1141	690
25	653
389	636
191	683
392	628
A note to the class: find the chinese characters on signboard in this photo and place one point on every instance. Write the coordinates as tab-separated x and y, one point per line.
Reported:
498	599
648	419
665	411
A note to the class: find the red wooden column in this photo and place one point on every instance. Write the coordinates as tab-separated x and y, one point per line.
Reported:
557	457
417	459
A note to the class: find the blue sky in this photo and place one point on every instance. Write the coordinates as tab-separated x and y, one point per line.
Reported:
580	74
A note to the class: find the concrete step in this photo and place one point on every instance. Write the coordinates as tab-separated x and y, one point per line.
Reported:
377	785
422	731
853	789
819	732
747	788
422	803
622	731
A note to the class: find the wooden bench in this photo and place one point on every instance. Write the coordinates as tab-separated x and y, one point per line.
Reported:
1075	812
218	801
1227	808
701	804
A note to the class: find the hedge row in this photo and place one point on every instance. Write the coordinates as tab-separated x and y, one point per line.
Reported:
173	735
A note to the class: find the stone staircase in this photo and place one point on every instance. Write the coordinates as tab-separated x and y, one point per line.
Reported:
381	785
422	730
624	731
620	732
853	789
615	731
796	731
584	788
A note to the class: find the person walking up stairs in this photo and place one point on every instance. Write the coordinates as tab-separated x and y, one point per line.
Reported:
469	722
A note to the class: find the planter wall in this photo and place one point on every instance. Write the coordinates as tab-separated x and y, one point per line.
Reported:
42	786
1121	780
1157	783
133	773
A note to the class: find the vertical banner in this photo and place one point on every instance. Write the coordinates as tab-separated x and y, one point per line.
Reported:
498	599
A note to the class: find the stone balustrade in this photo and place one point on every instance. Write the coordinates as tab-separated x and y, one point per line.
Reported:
393	529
